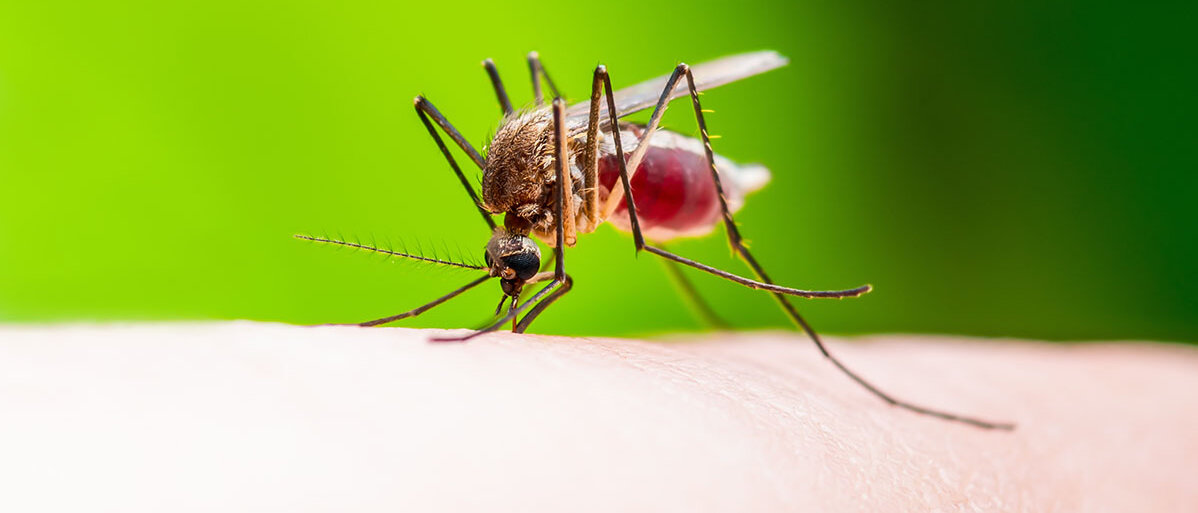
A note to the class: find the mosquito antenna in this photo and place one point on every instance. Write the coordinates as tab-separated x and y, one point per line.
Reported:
374	244
456	256
373	249
463	255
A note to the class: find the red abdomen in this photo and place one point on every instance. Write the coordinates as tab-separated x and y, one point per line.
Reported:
674	193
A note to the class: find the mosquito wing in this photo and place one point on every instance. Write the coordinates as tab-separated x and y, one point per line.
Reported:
707	76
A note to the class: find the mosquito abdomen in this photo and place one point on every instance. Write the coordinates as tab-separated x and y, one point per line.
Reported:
675	195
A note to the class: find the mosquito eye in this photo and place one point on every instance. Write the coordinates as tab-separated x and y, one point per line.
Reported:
487	257
525	264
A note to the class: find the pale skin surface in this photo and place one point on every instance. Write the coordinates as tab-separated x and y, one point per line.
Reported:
263	417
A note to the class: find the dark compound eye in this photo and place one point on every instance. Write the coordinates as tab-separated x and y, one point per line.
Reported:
525	264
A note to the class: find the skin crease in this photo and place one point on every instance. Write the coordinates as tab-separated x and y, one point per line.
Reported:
247	416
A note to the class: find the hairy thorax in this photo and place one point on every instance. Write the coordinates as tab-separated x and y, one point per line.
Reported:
519	178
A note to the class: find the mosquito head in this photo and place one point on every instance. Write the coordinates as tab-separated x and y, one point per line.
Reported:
514	259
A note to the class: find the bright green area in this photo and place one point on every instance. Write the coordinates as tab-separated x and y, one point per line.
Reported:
1018	170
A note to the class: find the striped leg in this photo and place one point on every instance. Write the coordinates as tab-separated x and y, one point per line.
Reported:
737	242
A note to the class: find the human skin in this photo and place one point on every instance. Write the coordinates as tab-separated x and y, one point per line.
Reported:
244	416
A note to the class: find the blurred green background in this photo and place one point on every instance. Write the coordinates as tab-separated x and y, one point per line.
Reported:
1015	169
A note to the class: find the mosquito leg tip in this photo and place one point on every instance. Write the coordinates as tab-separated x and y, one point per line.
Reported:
534	55
996	426
463	338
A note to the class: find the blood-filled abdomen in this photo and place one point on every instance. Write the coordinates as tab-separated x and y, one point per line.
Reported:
673	188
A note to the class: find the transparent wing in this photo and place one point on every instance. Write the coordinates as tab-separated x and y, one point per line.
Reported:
707	76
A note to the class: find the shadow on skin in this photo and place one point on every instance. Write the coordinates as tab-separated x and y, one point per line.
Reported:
150	417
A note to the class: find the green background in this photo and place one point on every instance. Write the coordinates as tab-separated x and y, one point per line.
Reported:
1008	169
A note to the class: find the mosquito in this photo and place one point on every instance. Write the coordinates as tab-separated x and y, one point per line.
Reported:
557	171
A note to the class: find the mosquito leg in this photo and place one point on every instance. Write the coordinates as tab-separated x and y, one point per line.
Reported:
590	168
570	208
560	164
634	162
692	295
549	263
567	215
512	313
429	306
559	271
426	110
634	222
765	283
505	103
737	242
538	70
532	314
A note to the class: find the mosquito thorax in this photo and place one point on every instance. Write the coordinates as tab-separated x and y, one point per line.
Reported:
513	258
519	175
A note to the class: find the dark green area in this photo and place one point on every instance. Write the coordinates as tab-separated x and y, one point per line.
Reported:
1013	169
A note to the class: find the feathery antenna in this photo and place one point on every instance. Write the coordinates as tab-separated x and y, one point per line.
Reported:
389	252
